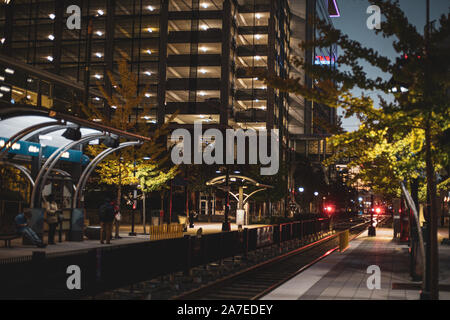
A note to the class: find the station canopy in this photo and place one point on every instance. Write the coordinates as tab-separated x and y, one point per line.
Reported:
54	136
49	131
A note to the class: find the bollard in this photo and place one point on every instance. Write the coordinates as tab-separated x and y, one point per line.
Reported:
343	240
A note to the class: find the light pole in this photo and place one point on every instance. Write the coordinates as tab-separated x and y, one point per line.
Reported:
372	232
226	223
316	194
132	233
301	190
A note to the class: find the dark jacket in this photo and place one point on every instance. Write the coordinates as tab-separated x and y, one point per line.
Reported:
106	212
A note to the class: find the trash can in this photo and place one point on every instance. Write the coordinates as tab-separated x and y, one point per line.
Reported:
155	217
183	221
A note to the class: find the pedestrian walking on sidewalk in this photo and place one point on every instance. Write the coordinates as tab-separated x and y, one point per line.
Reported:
106	217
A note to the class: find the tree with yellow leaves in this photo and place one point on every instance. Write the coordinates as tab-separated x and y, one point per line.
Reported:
400	139
147	162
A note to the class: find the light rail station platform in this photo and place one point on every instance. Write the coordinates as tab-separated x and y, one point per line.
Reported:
19	250
343	276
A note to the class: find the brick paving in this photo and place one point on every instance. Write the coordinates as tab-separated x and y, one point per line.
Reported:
343	276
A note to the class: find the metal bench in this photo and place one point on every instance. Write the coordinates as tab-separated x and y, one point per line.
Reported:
7	237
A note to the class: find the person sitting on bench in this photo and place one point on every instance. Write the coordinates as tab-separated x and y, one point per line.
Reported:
23	228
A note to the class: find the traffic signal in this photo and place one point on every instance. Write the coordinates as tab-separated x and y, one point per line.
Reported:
329	209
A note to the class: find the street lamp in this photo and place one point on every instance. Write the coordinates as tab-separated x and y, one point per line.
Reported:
301	189
133	233
226	223
316	202
372	232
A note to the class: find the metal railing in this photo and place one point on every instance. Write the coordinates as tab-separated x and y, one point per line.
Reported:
105	268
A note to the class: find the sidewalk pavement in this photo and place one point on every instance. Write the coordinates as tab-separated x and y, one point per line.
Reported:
343	276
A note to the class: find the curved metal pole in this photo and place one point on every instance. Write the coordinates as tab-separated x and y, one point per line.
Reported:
412	206
19	135
57	127
22	169
67	175
91	166
256	191
59	155
51	161
217	179
234	196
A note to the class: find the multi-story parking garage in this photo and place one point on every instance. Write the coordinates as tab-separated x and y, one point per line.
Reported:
194	57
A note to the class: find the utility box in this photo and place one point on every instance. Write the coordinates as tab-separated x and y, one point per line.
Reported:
240	217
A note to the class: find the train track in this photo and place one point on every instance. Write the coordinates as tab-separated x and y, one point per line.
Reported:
257	281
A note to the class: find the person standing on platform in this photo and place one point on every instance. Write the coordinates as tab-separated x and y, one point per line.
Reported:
396	222
106	216
117	218
51	209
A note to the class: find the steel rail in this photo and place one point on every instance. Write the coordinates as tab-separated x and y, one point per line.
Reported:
274	262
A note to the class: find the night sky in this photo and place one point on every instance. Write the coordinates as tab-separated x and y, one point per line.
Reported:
353	22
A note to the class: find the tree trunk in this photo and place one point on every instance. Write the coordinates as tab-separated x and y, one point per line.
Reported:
119	187
433	271
143	212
